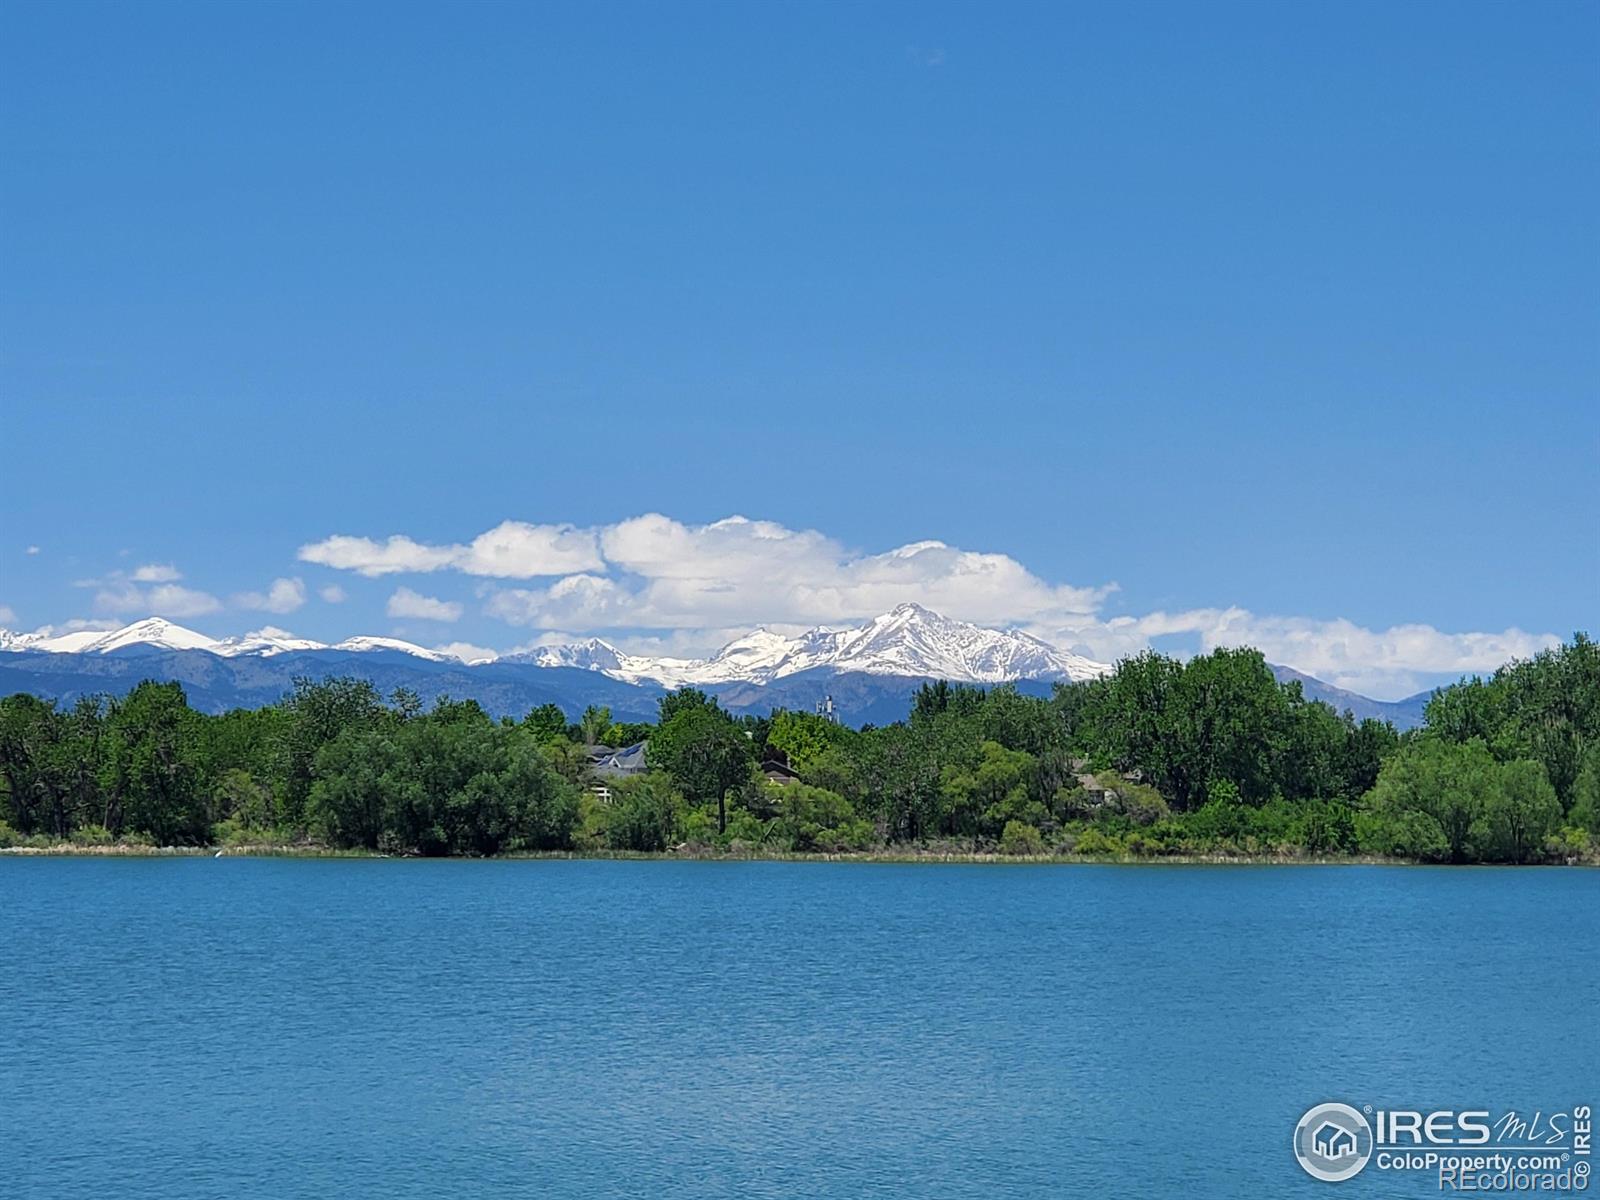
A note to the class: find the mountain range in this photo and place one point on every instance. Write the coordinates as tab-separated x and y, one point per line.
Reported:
870	670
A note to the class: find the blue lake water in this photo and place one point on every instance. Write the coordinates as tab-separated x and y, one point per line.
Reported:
278	1028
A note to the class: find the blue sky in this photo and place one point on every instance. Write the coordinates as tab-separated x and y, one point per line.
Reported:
1280	319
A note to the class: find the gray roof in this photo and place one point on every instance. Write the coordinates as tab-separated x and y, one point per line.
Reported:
627	761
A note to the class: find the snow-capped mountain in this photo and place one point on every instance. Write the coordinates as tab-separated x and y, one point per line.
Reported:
909	641
364	645
153	632
263	643
156	633
872	670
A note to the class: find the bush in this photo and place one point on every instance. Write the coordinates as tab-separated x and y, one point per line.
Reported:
91	835
813	819
1021	839
643	813
1093	841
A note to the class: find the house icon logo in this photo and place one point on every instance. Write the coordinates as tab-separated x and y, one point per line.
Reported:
1332	1142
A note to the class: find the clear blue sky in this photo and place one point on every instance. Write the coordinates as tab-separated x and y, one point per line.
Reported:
1288	307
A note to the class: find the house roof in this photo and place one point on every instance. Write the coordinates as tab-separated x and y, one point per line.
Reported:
628	761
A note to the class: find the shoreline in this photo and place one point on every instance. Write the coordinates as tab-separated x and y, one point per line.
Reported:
702	854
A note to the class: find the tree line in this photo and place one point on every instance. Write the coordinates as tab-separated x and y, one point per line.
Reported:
1210	756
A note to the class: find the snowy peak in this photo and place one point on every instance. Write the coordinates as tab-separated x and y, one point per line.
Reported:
910	640
591	654
365	645
154	632
264	643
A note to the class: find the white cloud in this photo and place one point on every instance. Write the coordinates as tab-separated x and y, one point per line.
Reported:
738	571
162	600
269	631
655	584
32	550
123	592
76	625
7	615
1387	664
377	558
407	603
333	594
467	652
283	596
156	573
511	550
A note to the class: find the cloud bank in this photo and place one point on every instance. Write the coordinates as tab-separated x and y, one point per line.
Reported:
664	582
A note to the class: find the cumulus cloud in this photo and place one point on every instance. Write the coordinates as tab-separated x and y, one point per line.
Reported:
664	574
156	573
32	550
7	616
467	652
657	585
511	550
149	590
162	600
1387	664
283	596
333	594
407	603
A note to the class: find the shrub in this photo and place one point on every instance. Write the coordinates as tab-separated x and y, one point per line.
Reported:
1021	839
1096	842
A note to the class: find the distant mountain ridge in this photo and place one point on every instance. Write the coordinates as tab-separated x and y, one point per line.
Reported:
871	670
1404	714
908	641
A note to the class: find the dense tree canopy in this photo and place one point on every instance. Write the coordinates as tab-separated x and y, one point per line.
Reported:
1207	756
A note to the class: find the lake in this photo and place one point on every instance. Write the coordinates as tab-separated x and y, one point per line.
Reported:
197	1027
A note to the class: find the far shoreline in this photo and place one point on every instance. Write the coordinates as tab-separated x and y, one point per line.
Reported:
745	855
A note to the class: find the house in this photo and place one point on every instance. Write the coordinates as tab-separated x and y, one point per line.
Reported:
1332	1141
608	765
1094	791
776	772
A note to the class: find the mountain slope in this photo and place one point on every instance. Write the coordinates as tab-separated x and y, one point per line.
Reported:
216	684
871	670
910	641
1403	714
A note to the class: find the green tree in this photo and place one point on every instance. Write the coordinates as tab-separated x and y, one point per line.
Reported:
546	723
643	813
803	738
1435	796
815	819
594	727
151	777
1522	811
316	712
1585	812
703	750
981	797
1020	838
